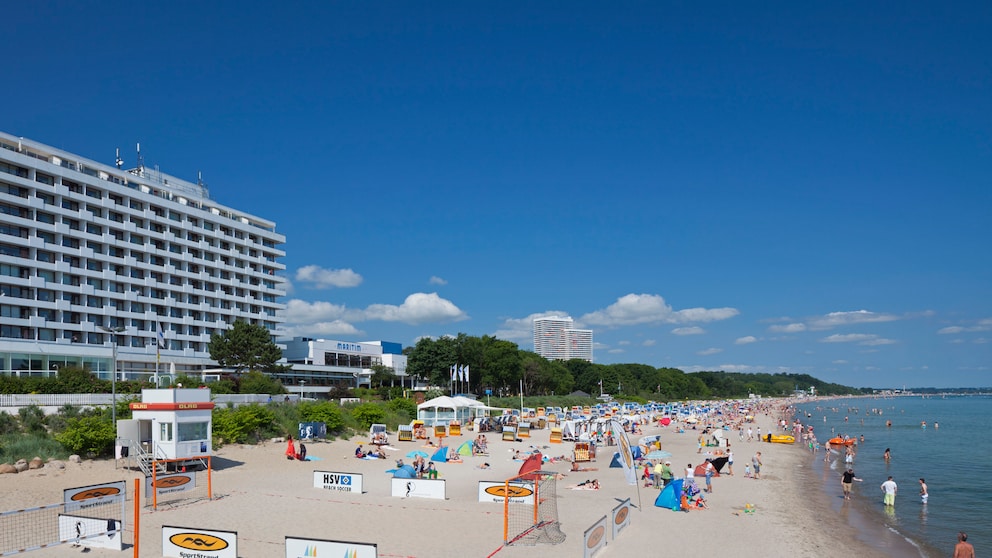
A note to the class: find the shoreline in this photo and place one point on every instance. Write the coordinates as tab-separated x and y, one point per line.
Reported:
264	497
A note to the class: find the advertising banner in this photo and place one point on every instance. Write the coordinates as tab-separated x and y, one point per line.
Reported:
520	492
182	542
89	531
594	538
298	547
94	495
341	482
621	517
168	484
418	488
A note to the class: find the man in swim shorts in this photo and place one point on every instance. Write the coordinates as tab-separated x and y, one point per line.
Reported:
889	490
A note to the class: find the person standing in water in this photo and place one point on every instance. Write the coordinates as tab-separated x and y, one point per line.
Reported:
924	495
887	455
963	549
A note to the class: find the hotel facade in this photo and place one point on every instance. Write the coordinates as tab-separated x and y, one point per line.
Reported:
101	263
556	339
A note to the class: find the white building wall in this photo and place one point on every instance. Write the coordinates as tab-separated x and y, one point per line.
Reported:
85	245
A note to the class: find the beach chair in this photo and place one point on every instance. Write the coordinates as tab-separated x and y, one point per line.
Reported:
454	429
523	430
509	434
555	436
404	433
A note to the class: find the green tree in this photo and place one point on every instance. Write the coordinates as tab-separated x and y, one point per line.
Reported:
382	375
244	347
257	382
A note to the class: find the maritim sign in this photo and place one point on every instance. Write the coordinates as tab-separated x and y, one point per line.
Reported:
341	482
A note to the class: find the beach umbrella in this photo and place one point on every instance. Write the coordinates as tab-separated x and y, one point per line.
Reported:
416	454
658	454
665	421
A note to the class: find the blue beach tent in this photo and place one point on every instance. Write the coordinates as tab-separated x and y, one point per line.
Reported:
671	496
405	472
441	455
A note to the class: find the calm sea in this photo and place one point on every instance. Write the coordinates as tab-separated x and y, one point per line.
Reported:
952	453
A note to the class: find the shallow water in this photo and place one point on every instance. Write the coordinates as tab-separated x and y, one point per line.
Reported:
953	458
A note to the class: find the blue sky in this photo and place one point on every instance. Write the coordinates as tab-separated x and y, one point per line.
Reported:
765	187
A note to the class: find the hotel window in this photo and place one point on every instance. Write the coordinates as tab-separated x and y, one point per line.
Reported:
134	204
72	223
44	178
47	199
94	229
69	204
44	255
19	191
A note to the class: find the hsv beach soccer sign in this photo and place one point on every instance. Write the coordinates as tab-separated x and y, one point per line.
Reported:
341	482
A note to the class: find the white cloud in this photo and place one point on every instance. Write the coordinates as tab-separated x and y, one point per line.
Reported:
865	339
635	309
649	343
839	361
691	330
746	340
615	351
837	319
710	351
878	341
523	328
325	317
788	328
848	338
981	325
435	280
321	278
418	308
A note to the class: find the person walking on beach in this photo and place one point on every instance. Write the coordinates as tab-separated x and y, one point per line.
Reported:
846	480
709	470
924	495
756	461
963	549
730	462
889	489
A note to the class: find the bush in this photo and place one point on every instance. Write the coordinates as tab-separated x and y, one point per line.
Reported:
90	434
407	407
239	425
368	414
323	411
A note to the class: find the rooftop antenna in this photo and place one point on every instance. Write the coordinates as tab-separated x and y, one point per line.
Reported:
120	162
141	162
199	178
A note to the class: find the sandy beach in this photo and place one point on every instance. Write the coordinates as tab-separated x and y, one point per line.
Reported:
264	498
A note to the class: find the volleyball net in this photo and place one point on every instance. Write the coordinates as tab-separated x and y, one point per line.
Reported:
530	509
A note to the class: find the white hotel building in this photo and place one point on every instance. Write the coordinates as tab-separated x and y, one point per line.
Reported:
556	339
86	246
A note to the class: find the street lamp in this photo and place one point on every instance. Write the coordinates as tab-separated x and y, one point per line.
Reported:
301	389
113	331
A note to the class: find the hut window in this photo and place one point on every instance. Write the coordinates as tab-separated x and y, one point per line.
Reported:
165	434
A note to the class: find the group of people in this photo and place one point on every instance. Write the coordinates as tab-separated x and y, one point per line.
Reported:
424	469
481	445
376	452
291	452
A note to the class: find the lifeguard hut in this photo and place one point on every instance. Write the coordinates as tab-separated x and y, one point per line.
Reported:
171	426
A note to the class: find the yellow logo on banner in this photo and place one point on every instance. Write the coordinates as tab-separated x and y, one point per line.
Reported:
198	541
101	492
171	482
513	492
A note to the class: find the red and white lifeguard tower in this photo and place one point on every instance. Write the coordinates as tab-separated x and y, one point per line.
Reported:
171	425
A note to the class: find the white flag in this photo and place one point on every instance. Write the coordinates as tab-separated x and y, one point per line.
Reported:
626	454
466	372
452	369
161	335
